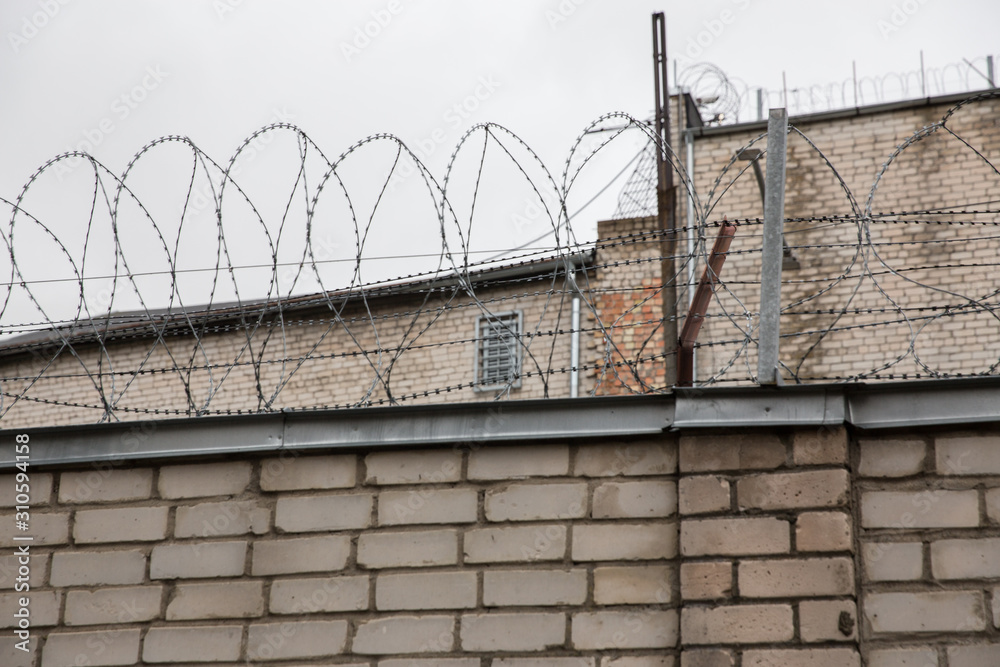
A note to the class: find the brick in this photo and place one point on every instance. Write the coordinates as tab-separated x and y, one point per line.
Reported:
537	662
132	604
518	462
308	472
640	661
920	509
204	479
103	568
703	494
635	500
628	459
431	466
824	446
794	490
221	519
968	455
305	554
432	662
974	656
101	647
130	524
966	559
409	549
952	611
814	657
10	570
737	451
893	561
231	599
45	529
733	537
531	588
405	634
513	632
819	620
197	560
320	594
892	458
536	502
996	608
903	657
808	577
740	624
625	629
301	639
514	544
301	514
643	584
43	607
711	657
105	485
206	643
427	505
624	541
39	489
823	531
426	590
706	581
993	505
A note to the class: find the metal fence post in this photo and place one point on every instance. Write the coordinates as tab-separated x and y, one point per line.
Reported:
771	257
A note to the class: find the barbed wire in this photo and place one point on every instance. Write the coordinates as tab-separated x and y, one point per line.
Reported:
273	331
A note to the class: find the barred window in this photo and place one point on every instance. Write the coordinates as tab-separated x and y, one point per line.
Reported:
498	359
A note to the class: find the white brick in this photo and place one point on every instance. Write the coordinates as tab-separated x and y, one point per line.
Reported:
9	570
427	505
539	662
206	643
807	577
624	541
196	560
739	624
530	588
968	455
100	647
984	655
635	500
903	657
43	607
725	537
702	494
536	502
966	559
47	528
299	514
133	604
408	549
105	485
225	518
625	629
920	509
405	634
815	657
819	620
431	466
39	489
231	599
518	462
305	554
812	488
292	473
627	458
517	543
893	561
823	531
129	524
642	584
993	505
425	590
301	639
321	594
951	611
513	632
204	479
892	458
100	568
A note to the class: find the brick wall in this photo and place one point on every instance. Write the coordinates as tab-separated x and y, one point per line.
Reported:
759	548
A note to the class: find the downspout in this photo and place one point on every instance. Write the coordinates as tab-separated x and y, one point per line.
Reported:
691	239
574	345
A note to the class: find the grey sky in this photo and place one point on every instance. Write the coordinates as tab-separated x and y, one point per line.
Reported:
116	74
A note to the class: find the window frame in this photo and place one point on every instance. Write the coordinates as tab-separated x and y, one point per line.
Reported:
505	318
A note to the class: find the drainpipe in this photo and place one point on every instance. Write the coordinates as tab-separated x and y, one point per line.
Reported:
689	166
574	345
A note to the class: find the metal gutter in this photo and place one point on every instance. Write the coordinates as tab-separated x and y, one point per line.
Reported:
889	405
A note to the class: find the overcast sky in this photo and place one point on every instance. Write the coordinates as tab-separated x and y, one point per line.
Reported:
109	76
